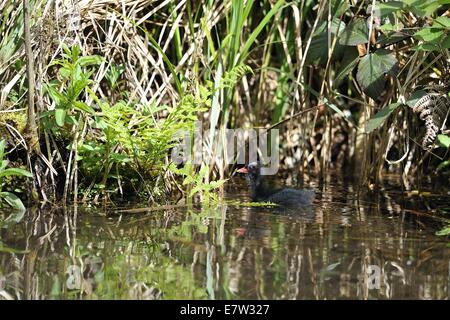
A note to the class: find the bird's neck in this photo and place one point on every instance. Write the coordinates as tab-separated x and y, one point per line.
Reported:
259	188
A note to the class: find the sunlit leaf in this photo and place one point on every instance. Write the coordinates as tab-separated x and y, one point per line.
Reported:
90	60
15	172
332	266
60	116
430	35
83	107
57	97
372	70
442	21
444	232
422	8
443	140
2	148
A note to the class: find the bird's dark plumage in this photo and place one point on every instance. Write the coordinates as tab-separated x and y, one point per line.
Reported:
261	191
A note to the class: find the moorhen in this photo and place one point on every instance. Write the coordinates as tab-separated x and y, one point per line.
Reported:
261	191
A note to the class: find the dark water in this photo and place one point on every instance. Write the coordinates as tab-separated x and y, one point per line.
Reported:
376	246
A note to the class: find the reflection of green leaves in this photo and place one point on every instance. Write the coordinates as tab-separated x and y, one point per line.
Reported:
372	70
10	198
236	203
444	232
15	203
380	116
7	249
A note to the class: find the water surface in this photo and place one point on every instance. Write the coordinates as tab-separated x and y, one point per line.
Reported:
376	246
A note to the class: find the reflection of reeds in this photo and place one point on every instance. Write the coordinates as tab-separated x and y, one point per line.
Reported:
242	252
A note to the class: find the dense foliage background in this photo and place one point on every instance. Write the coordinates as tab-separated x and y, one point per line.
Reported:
360	86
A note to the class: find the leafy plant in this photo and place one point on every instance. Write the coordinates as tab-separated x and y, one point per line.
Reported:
444	232
10	198
197	181
73	79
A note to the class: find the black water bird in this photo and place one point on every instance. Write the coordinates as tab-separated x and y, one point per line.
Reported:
262	191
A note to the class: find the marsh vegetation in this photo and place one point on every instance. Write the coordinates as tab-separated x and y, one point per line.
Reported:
94	94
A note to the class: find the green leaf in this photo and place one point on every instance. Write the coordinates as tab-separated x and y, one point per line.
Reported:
60	116
64	72
318	49
90	60
427	47
443	165
83	107
7	249
195	190
372	69
389	27
2	148
380	116
444	232
443	140
442	22
414	97
355	33
75	52
422	8
121	158
393	37
57	97
3	164
17	216
15	172
332	266
387	8
13	201
445	44
349	62
430	35
335	108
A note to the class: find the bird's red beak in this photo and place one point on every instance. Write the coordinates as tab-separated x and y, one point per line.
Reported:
243	170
